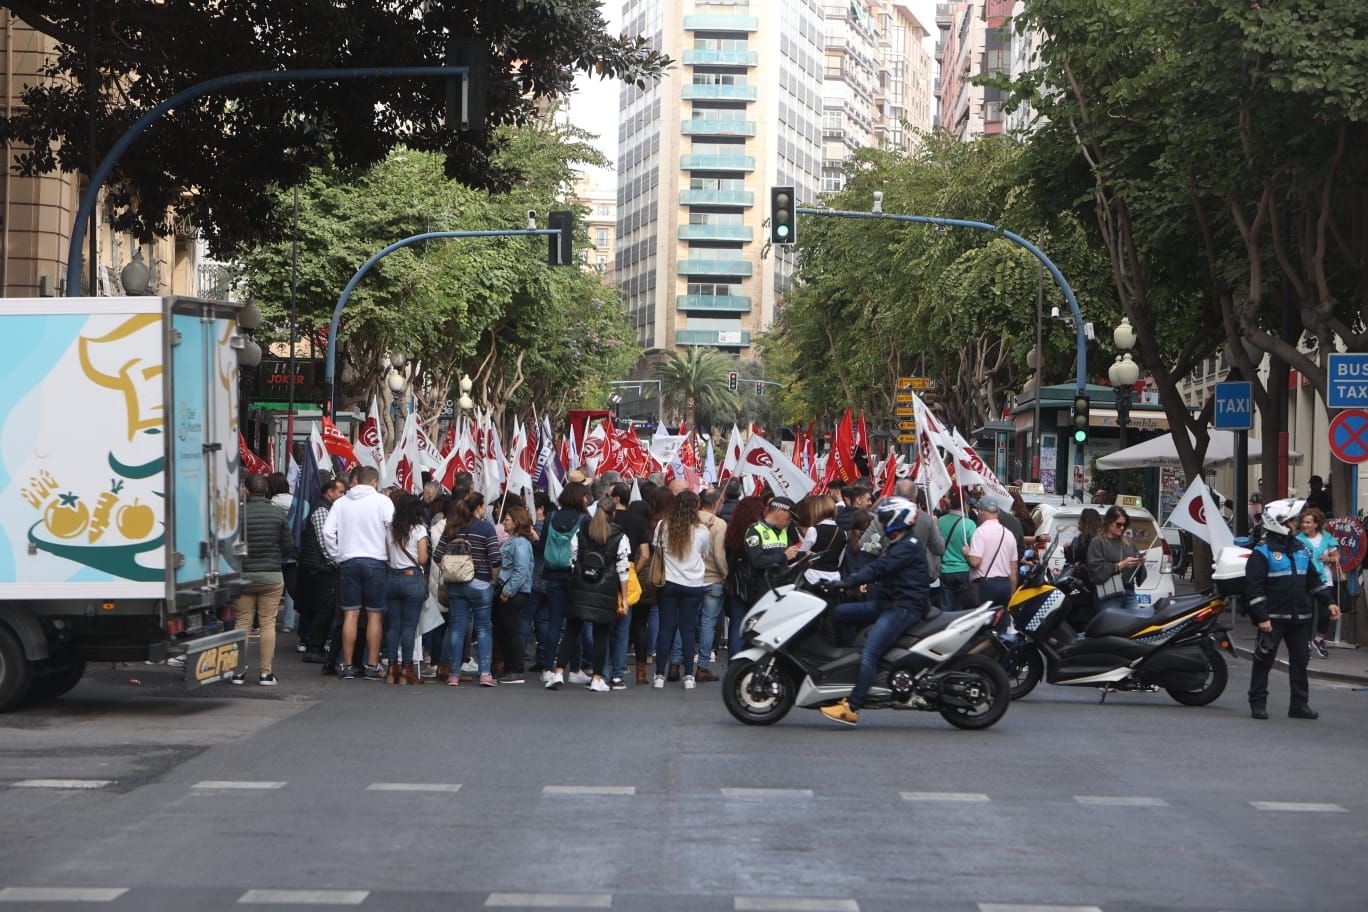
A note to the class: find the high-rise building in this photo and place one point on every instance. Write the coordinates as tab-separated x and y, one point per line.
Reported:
743	111
977	39
593	193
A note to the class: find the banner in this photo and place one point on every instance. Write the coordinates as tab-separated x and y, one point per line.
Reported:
762	461
370	444
402	466
251	462
337	444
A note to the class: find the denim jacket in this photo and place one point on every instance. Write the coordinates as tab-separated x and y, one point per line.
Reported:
515	576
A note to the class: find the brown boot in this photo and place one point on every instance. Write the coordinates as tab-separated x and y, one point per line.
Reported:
408	674
641	672
443	671
392	675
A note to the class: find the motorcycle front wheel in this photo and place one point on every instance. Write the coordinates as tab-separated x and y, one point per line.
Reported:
1029	669
758	693
1212	687
983	686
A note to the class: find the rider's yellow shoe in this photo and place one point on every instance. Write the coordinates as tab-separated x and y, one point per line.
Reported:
841	712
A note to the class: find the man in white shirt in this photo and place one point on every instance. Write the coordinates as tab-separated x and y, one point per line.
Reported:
992	557
354	537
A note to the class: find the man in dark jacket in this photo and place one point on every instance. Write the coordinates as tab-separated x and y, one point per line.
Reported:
1283	584
901	596
266	529
319	576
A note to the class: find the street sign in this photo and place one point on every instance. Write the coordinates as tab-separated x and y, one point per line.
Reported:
902	397
1347	385
1349	435
907	425
1349	536
904	411
917	383
1234	406
909	439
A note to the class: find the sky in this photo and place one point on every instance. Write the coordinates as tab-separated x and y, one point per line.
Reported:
594	106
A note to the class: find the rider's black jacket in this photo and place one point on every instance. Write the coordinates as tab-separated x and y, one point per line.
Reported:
900	574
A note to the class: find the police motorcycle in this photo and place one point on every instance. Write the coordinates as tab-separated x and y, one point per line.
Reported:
1175	650
950	663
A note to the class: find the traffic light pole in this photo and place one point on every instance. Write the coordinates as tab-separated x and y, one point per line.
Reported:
366	267
102	171
1080	335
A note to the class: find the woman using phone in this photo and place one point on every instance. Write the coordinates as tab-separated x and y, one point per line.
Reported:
1114	564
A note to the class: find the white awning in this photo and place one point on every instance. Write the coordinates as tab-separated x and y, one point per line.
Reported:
1161	451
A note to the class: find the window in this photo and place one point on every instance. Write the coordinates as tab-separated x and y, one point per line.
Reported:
601	237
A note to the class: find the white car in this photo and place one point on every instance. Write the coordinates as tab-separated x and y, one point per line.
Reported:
1062	526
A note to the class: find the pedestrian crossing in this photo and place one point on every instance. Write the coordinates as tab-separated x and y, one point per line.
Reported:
735	794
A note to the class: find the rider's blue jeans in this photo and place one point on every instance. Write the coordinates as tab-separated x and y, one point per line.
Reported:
889	625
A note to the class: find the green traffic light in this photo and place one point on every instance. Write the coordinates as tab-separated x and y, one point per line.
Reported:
782	231
1080	436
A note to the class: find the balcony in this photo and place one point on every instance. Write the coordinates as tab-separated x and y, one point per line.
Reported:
694	92
717	162
716	22
716	233
730	267
708	57
733	338
714	303
716	126
716	198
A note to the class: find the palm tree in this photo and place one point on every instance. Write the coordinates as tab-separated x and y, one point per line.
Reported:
697	379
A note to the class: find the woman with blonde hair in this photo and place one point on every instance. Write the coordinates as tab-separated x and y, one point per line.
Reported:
684	540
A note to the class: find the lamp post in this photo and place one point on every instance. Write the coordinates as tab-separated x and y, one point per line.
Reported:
135	277
465	403
1123	373
249	358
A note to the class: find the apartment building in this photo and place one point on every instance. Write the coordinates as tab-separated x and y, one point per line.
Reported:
744	110
595	193
976	39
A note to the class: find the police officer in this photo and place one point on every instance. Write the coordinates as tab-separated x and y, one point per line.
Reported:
768	541
1283	584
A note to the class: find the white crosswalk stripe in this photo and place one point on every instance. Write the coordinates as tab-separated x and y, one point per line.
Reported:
62	783
1311	807
413	787
61	894
966	797
1015	907
235	785
793	904
766	793
303	897
550	900
1119	801
589	790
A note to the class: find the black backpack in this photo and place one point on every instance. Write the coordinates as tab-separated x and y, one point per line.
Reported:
596	562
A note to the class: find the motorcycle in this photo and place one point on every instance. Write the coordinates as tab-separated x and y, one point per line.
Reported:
1175	650
948	663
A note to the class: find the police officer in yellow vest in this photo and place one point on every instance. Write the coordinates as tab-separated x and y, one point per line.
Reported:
767	542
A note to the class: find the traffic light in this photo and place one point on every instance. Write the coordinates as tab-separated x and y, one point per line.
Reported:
559	247
467	97
1080	418
732	380
759	387
783	216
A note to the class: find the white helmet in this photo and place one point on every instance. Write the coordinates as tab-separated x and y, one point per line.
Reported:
896	514
1279	513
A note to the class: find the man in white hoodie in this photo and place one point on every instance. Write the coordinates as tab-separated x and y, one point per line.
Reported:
354	537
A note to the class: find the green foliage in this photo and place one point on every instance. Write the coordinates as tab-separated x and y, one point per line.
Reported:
527	333
215	162
694	382
878	300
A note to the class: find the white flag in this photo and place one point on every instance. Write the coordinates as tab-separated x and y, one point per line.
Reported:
320	452
762	460
710	466
519	478
636	492
429	453
403	465
734	446
971	469
370	442
931	439
1198	514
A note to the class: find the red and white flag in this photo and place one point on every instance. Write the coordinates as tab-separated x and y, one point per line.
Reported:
930	470
733	454
843	451
337	444
493	471
971	469
251	462
1197	513
761	460
520	461
370	443
403	464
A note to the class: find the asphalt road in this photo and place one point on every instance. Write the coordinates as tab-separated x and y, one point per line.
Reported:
326	794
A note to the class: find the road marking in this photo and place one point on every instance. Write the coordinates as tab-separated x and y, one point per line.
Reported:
1119	801
765	793
303	897
236	784
1314	807
61	894
413	787
581	790
793	904
1012	907
551	900
944	796
61	783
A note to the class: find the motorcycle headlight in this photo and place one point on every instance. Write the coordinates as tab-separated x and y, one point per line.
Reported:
748	626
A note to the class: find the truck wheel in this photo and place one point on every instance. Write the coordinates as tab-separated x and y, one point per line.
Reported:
15	671
52	685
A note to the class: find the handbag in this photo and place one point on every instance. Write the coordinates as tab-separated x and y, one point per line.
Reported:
633	586
655	570
457	564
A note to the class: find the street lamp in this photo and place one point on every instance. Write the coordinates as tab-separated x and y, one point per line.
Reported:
1123	374
465	402
135	277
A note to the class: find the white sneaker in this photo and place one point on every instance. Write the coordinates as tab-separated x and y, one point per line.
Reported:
577	677
689	682
555	681
659	683
470	667
598	685
546	676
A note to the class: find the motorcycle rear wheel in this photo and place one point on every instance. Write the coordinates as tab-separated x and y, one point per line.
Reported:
996	689
1215	685
746	707
1030	668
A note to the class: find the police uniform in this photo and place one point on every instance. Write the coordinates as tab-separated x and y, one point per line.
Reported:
1283	585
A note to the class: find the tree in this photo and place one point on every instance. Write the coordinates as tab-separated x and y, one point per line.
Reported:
696	382
527	333
216	162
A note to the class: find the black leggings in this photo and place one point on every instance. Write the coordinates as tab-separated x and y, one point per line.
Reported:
570	639
641	632
508	631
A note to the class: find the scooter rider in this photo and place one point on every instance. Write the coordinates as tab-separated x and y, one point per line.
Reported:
902	592
1283	584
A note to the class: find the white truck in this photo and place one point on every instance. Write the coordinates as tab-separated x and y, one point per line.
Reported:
119	494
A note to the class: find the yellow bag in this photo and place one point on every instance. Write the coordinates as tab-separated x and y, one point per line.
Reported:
633	585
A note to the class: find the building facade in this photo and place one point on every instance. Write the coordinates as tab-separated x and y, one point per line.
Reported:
977	39
599	198
698	150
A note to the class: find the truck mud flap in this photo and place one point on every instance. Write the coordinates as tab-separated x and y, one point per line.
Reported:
214	658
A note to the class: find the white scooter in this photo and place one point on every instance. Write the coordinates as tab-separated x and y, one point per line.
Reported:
949	663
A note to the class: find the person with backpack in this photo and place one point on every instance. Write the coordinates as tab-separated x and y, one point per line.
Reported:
468	554
557	536
597	587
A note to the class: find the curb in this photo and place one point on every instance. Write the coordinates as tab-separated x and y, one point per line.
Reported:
1311	671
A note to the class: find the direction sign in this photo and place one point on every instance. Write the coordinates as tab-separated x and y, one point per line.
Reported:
902	397
1347	385
907	425
1234	406
904	411
1349	435
910	439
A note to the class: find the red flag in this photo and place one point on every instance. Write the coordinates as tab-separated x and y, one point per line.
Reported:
890	475
862	435
253	463
449	441
843	451
337	444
